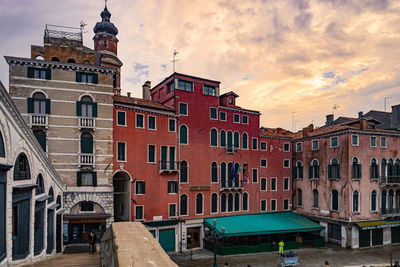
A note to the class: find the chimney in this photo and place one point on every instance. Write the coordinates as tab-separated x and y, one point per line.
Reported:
146	90
329	120
360	114
307	130
128	94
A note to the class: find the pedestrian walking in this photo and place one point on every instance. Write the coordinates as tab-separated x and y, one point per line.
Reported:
281	245
92	243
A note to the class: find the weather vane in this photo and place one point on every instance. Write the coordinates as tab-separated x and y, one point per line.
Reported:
335	108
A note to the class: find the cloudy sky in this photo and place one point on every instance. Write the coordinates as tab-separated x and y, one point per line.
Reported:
278	56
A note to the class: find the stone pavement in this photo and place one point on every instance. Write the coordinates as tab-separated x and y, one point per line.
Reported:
70	260
309	257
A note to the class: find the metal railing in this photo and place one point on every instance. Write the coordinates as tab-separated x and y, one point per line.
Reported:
87	122
76	36
231	184
389	212
393	179
38	120
168	166
86	159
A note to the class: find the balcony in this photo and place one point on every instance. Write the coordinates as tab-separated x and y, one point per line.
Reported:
168	166
86	159
231	185
390	180
87	123
39	120
390	212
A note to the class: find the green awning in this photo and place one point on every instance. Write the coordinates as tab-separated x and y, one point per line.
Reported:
378	224
263	223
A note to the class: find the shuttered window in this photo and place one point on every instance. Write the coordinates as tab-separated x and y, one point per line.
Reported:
183	138
183	205
87	143
151	153
121	151
214	203
214	172
39	73
84	77
213	137
184	172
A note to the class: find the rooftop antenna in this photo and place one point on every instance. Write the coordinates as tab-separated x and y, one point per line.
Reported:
335	108
295	124
293	121
82	26
174	60
384	102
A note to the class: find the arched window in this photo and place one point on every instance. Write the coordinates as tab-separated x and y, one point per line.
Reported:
223	174
335	200
245	173
374	169
2	148
51	195
397	168
214	172
184	200
383	202
70	60
383	169
183	138
213	137
298	171
222	141
86	143
236	140
334	169
356	201
245	141
230	202
315	197
373	200
245	205
356	169
39	185
299	197
87	106
223	202
39	57
199	203
230	174
390	171
55	59
184	172
58	201
237	201
39	103
21	168
314	169
237	174
229	141
214	203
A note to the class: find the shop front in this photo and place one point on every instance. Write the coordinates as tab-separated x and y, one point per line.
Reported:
372	233
79	227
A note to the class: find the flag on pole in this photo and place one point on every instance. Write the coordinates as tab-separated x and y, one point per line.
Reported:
238	172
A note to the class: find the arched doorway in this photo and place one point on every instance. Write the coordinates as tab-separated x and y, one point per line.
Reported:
122	196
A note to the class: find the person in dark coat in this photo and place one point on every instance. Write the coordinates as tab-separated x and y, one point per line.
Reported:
92	243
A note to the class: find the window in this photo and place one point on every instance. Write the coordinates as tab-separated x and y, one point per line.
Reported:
214	137
373	201
373	141
184	172
299	197
314	169
168	163
286	182
245	141
286	163
184	202
171	86
335	200
245	119
82	77
87	178
185	86
229	141
263	163
299	147
286	204
356	207
356	169
254	142
214	203
183	135
286	147
39	185
140	188
374	169
315	197
230	202
38	104
2	149
86	143
334	169
139	121
183	110
209	90
213	113
245	205
354	140
121	151
383	168
199	203
315	144
263	184
383	142
87	206
255	176
222	116
151	154
152	122
263	205
273	184
171	125
41	137
273	204
172	210
222	141
236	118
214	172
230	100
138	212
172	187
121	118
263	146
236	140
21	168
223	202
334	142
223	174
298	171
39	73
237	202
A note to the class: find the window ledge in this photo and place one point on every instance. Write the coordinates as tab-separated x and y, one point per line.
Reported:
374	179
314	208
314	179
333	179
356	212
356	179
300	179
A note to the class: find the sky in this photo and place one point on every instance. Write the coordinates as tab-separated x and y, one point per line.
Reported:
291	60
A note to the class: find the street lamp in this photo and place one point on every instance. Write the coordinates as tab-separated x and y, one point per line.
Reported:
214	234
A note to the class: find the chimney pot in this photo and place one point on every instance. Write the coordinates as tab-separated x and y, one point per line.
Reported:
360	114
146	90
129	94
329	120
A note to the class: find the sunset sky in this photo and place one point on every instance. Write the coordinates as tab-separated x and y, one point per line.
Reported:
278	56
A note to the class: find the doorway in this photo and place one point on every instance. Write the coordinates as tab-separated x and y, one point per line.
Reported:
122	196
193	237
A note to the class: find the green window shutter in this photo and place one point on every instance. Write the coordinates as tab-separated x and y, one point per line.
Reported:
338	171
94	112
163	153
78	178
48	74
310	172
94	178
87	145
359	170
48	106
78	77
301	172
30	105
144	187
329	171
30	72
78	108
95	78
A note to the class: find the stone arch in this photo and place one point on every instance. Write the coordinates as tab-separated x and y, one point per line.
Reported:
122	195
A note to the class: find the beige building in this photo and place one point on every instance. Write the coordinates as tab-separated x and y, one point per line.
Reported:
65	94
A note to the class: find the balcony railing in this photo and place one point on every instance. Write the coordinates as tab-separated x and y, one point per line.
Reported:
168	166
38	120
390	179
86	159
390	212
231	184
87	122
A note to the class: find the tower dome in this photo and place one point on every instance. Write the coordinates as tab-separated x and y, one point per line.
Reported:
105	26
